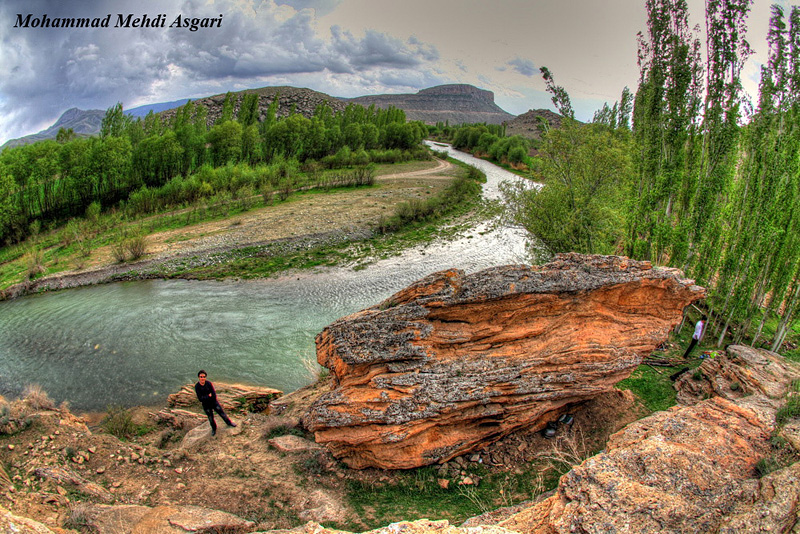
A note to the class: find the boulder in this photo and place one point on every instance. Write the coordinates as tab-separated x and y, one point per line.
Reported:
681	470
738	372
133	519
688	469
457	361
291	443
15	524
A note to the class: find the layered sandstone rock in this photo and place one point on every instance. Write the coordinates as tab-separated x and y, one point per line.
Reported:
738	372
454	362
688	469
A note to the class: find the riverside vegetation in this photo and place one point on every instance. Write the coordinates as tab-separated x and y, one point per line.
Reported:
685	171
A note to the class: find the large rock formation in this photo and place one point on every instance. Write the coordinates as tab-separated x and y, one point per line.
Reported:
454	362
688	469
456	103
737	373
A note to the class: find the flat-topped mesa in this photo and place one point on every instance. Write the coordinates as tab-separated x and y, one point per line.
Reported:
455	361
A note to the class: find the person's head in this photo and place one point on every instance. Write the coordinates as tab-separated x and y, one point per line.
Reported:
704	318
201	376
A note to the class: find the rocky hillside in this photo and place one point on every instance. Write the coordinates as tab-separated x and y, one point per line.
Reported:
456	103
301	100
531	123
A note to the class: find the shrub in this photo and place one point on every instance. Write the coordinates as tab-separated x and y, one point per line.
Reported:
136	245
35	263
119	422
79	519
789	410
37	398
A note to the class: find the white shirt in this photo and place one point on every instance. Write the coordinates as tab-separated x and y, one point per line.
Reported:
698	330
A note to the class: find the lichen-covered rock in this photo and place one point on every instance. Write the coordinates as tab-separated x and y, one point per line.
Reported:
455	361
133	519
688	469
738	372
15	524
682	470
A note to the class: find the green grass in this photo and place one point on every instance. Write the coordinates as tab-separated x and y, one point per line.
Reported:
653	388
416	494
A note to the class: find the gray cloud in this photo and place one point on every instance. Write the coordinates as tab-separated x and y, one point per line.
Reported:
523	66
44	71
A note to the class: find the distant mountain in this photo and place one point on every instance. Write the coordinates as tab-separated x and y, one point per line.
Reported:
142	111
456	103
530	123
82	122
301	100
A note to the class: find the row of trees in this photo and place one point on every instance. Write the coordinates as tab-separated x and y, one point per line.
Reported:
691	181
55	180
487	140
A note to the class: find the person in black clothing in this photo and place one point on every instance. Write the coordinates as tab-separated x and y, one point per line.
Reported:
208	398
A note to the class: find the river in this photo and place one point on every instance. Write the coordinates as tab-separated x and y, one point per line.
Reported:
134	343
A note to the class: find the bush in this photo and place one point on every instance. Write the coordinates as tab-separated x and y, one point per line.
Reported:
119	422
34	261
37	398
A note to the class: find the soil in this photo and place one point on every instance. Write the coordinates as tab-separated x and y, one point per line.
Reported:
177	462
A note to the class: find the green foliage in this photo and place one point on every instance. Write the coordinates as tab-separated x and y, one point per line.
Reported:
55	181
585	170
283	430
119	422
790	409
652	387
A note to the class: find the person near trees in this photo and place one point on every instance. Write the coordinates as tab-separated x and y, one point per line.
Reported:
207	396
699	331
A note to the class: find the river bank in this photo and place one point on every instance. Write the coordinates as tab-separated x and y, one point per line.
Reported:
304	221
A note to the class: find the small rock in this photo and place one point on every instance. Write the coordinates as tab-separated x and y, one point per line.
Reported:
60	490
134	456
475	458
116	484
100	470
443	483
11	446
179	470
466	481
93	450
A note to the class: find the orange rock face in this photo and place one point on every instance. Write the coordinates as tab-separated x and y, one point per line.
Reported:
454	362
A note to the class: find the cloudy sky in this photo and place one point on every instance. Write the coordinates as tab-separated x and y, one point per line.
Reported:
339	47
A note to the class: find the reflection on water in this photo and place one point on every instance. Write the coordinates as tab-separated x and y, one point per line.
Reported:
134	343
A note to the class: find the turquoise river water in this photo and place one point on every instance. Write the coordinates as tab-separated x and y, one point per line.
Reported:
134	343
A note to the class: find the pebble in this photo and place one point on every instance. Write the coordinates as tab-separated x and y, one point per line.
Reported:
100	470
11	446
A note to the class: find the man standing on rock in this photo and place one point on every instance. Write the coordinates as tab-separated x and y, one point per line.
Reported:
699	331
208	398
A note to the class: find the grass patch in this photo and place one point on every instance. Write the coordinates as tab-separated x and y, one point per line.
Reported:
119	422
652	387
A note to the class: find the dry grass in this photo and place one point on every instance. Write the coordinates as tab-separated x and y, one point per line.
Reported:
35	397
